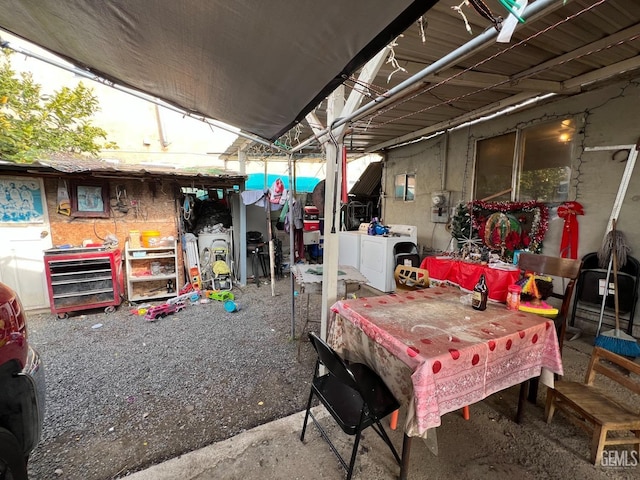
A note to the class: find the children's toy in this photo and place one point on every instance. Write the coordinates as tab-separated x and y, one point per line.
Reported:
185	296
195	278
161	311
140	309
219	295
531	298
216	269
231	306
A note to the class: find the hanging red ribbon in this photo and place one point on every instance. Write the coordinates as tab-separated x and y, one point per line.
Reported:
570	234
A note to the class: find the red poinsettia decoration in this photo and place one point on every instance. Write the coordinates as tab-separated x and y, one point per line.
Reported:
512	242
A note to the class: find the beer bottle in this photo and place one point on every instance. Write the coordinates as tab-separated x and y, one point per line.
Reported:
480	294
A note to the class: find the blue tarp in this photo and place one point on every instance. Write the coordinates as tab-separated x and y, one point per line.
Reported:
303	184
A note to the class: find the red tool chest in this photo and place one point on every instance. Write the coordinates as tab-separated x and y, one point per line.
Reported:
83	278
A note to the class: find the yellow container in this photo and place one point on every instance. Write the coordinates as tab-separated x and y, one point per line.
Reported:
150	238
134	239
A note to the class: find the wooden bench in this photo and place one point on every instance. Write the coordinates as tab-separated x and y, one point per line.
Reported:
594	409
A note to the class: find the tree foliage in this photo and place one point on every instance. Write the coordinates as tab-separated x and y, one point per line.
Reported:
33	124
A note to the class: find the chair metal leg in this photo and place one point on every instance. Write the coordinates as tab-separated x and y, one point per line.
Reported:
254	267
306	416
406	452
383	434
325	436
354	454
393	420
465	412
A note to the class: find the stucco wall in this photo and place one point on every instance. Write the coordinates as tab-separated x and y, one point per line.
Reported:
605	117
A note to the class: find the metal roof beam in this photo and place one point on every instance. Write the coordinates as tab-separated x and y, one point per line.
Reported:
482	41
603	43
603	73
367	75
482	80
454	122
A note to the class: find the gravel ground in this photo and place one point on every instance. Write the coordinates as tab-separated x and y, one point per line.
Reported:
124	393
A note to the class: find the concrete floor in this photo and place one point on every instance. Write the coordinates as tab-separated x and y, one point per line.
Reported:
488	446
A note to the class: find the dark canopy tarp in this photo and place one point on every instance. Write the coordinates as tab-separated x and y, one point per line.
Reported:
257	65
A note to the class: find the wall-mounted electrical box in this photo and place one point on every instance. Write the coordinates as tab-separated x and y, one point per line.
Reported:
440	206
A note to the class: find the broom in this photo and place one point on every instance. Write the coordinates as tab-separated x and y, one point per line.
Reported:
615	340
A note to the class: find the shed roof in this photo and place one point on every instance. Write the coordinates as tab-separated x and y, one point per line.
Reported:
60	165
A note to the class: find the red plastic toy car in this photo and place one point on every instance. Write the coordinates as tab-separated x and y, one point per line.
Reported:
22	389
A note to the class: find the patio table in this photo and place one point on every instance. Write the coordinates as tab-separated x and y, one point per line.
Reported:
438	355
309	277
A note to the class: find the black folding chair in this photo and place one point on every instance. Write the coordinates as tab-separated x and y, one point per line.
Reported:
355	396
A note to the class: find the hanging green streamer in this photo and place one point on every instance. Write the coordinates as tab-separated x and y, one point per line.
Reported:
512	7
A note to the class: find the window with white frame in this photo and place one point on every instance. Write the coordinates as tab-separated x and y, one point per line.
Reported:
405	187
532	163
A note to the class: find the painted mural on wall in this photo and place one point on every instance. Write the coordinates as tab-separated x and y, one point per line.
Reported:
20	201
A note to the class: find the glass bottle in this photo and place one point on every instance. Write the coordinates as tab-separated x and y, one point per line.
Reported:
480	294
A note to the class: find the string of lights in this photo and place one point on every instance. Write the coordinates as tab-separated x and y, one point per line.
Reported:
371	124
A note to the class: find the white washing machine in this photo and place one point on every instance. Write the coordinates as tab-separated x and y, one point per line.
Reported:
349	248
377	261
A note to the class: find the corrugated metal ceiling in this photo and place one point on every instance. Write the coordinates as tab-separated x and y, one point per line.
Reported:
570	47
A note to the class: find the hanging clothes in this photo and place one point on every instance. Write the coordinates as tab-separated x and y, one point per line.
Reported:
277	192
297	214
64	204
258	198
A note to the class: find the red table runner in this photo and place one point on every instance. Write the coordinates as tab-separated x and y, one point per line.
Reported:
466	275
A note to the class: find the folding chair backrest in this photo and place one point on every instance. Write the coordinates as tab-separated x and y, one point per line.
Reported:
405	247
333	362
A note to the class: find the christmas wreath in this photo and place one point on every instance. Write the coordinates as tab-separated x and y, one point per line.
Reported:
501	226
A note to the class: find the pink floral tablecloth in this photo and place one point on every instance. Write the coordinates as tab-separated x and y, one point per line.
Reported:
437	354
